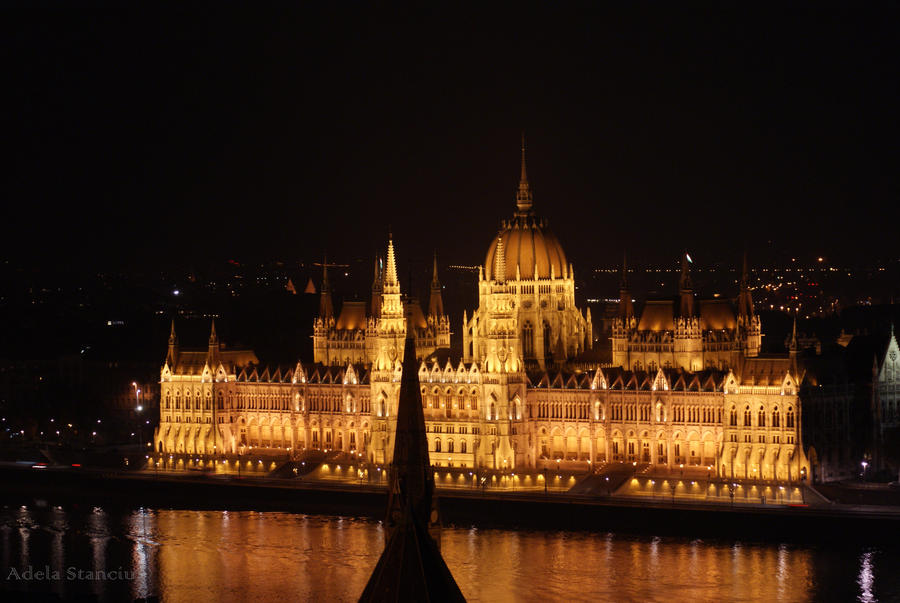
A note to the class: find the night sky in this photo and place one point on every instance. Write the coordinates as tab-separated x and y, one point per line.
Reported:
166	138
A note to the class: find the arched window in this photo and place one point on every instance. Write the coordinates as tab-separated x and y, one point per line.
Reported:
733	420
168	400
762	417
221	402
449	445
790	416
747	416
493	412
528	339
437	445
548	345
776	418
462	447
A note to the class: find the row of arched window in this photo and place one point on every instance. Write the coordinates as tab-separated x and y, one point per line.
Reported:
761	417
463	446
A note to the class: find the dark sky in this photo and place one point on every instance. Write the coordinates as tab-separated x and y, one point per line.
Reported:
153	138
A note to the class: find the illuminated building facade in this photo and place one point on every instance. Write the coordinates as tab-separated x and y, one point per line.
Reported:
521	395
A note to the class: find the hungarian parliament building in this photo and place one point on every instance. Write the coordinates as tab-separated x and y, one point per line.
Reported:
687	384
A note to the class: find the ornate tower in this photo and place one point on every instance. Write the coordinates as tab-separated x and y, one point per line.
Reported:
687	337
749	327
536	284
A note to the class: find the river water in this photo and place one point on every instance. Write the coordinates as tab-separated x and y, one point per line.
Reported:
195	556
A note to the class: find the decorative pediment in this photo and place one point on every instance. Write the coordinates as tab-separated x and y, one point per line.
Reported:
788	385
350	377
660	383
731	383
599	381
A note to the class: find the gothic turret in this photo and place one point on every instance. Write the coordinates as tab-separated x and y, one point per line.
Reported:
435	301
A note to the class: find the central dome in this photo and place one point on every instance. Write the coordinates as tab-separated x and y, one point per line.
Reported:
528	244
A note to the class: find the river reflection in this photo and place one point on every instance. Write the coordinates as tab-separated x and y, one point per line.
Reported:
249	556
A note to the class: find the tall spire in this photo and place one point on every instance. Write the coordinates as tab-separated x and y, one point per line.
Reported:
326	308
213	354
626	307
500	262
686	286
745	299
172	355
524	198
377	287
390	277
794	344
435	300
411	567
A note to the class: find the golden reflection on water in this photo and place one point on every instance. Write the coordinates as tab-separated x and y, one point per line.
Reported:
262	556
195	556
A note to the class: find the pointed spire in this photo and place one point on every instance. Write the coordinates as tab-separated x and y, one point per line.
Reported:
326	308
172	354
686	286
626	307
745	273
793	345
434	273
377	288
212	356
745	299
435	300
500	261
411	567
390	277
524	198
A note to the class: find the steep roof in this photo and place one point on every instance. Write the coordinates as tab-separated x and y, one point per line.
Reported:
717	314
658	315
353	316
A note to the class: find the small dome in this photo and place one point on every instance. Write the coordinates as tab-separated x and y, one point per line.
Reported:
527	242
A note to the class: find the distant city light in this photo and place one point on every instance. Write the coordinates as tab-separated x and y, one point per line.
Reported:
176	292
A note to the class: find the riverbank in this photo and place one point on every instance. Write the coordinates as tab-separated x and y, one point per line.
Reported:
825	523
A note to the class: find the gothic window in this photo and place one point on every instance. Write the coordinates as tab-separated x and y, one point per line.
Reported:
221	403
547	343
790	416
493	412
528	340
437	444
747	416
462	447
762	417
450	446
168	400
776	418
733	420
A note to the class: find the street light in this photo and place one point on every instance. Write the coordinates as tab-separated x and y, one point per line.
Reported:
864	465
